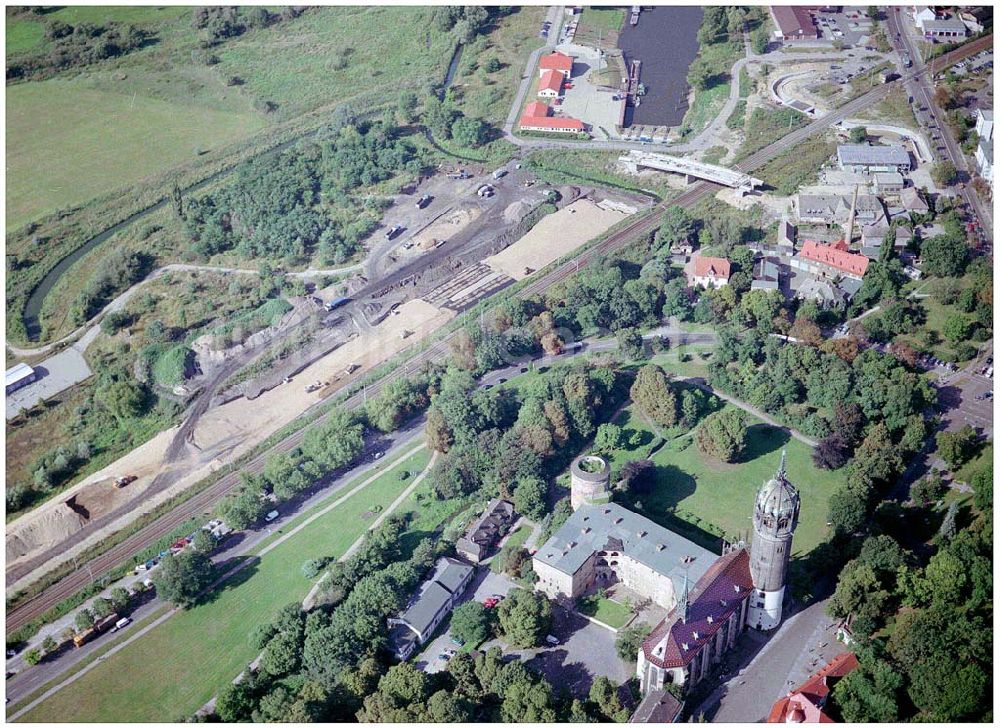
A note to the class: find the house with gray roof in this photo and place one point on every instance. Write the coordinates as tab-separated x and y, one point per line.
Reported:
766	276
836	209
946	28
603	544
432	603
870	158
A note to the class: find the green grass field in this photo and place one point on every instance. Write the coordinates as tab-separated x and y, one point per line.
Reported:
23	34
67	144
706	498
337	53
612	613
177	667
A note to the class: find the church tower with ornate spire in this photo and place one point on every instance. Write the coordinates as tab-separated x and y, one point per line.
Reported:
775	516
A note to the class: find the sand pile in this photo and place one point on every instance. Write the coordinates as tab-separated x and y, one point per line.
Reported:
516	212
445	227
556	235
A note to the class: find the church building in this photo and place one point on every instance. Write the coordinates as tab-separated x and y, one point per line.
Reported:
743	588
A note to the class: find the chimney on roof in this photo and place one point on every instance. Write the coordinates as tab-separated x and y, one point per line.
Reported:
660	547
710	619
736	588
585	530
695	634
618	520
685	646
641	534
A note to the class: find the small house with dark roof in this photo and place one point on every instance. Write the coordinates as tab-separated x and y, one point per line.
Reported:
488	529
658	706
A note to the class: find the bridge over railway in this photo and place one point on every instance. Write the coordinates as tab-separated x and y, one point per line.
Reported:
690	169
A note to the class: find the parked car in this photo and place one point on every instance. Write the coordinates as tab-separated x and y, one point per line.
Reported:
271	516
393	232
551	639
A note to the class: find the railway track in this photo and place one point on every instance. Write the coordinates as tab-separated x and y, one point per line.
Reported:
206	499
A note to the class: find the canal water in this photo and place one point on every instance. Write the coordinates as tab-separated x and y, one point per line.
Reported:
666	41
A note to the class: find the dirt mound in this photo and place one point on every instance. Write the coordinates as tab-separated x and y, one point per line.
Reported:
55	526
516	212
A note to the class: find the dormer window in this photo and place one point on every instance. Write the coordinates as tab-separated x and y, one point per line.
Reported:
694	635
710	619
736	588
684	646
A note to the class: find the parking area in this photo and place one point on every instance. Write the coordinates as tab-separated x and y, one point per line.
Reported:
585	651
585	98
850	26
55	374
485	584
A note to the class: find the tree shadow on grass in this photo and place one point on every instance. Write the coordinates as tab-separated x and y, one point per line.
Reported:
248	570
762	440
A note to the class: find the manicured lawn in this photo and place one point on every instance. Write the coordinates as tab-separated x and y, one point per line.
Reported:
67	143
176	668
614	614
603	20
706	499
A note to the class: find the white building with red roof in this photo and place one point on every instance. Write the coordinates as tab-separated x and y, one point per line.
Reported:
558	62
550	84
707	271
536	117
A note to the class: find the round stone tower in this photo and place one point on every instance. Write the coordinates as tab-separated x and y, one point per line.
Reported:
590	481
775	516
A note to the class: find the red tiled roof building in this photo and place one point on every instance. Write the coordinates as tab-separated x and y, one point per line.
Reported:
550	84
536	118
805	703
558	62
832	260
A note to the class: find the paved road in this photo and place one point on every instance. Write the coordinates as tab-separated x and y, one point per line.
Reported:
397	447
922	89
802	644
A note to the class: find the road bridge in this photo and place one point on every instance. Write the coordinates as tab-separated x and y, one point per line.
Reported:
690	169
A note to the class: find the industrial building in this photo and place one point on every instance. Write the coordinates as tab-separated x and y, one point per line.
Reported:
20	375
870	158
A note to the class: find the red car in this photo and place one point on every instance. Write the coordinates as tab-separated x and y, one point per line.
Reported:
491	602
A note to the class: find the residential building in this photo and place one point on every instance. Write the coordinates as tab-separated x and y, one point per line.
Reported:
766	275
794	23
20	375
984	160
536	117
707	271
873	236
912	201
558	62
984	123
885	183
434	601
806	703
831	261
949	28
825	293
488	529
658	706
550	84
786	236
870	158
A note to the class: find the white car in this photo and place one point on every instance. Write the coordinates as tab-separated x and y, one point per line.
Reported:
271	516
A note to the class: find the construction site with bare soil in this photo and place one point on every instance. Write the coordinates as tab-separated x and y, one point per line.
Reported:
443	246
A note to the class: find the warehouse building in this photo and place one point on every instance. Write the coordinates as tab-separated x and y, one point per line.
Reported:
870	158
